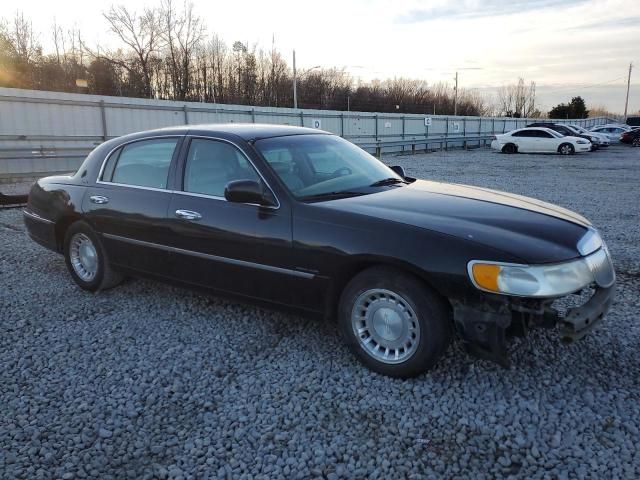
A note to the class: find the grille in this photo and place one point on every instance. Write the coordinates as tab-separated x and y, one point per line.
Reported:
601	267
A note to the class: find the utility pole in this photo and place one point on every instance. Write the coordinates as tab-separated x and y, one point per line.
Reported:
626	102
455	97
295	86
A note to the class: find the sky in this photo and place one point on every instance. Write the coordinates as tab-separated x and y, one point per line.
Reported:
568	47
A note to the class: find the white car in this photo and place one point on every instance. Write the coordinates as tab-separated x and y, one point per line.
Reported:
539	140
611	131
603	140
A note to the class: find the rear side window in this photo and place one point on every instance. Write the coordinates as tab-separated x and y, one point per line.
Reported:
144	164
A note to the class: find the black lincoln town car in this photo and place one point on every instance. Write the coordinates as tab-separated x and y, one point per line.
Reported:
305	220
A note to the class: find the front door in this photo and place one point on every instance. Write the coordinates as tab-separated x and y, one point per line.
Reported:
233	247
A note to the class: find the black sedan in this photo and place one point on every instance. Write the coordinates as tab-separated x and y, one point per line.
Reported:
305	220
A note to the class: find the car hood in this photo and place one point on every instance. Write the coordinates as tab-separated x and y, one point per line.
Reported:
534	231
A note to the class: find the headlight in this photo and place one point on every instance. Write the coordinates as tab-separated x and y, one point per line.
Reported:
531	280
590	242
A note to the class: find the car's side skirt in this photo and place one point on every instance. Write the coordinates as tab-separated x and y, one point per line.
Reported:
215	258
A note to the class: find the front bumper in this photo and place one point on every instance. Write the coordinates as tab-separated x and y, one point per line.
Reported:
580	320
484	324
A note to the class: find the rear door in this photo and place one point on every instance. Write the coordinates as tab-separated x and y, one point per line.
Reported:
128	203
524	140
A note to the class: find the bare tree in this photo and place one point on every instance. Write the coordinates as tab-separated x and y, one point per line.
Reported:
182	31
517	100
24	39
140	32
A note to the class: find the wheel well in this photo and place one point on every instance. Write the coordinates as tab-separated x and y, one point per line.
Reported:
61	229
510	144
563	144
350	271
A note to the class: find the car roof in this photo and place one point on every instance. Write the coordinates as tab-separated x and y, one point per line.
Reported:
544	129
246	131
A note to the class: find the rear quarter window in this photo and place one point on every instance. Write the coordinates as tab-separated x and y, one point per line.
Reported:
145	163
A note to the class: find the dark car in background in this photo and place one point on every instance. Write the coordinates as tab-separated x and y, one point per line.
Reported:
302	219
567	131
633	121
631	137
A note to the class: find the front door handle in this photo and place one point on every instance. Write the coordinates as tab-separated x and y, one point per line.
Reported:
188	215
99	199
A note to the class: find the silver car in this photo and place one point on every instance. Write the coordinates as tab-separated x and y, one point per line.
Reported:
602	139
611	131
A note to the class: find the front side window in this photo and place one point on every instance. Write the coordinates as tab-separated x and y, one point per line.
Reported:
324	165
145	163
543	134
211	164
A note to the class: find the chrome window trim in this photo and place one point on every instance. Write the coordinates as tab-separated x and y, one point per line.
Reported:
182	192
204	195
206	256
122	145
37	217
139	187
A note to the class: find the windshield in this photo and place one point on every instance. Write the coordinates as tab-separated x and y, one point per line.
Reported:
554	133
324	165
578	129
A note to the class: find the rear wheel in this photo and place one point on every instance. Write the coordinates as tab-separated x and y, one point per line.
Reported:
87	260
509	148
636	142
393	323
566	149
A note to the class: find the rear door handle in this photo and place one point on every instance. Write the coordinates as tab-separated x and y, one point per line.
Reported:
99	199
188	215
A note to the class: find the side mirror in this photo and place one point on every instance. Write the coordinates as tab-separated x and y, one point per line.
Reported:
246	191
399	170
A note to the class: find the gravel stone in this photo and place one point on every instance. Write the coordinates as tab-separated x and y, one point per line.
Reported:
150	381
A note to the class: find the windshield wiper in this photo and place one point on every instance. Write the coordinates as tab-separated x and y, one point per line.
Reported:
330	195
387	181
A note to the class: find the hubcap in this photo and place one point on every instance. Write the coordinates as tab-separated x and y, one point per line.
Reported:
83	256
565	149
385	325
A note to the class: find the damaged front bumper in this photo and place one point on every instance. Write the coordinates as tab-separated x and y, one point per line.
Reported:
485	328
580	320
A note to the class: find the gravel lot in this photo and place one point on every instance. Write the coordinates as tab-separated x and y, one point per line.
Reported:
149	381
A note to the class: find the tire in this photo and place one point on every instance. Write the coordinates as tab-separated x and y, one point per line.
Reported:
636	142
566	149
87	260
398	313
509	148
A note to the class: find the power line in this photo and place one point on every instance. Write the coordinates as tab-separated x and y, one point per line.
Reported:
583	87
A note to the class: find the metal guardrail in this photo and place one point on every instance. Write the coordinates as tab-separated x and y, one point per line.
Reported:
31	143
442	141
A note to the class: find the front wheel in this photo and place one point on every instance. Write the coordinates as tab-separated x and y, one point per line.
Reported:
393	322
566	149
636	142
87	260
